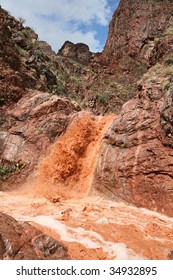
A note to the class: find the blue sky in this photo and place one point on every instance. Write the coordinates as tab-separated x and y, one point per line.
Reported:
56	21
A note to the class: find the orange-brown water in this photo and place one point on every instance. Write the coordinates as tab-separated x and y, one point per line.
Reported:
67	170
90	226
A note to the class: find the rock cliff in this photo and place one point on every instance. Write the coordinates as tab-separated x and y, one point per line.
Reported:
136	158
134	28
140	35
32	109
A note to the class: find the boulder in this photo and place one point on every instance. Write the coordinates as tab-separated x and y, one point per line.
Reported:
22	241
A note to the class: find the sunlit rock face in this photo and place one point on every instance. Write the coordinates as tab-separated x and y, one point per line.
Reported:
134	28
136	157
21	241
31	126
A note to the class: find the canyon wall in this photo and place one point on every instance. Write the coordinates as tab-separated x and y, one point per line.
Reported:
136	158
134	28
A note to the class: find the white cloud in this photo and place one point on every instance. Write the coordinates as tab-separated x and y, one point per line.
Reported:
52	19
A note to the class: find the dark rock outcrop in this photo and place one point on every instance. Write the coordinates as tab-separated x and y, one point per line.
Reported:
79	52
21	241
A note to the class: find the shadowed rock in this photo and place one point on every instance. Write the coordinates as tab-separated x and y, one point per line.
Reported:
79	52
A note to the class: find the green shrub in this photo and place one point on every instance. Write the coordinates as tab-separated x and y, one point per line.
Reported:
22	20
166	86
103	96
8	169
114	85
169	31
168	71
169	61
21	51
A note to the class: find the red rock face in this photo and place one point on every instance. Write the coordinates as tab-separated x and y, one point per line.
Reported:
136	158
134	26
21	241
31	126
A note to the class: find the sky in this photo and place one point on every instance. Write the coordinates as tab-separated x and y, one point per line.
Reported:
56	21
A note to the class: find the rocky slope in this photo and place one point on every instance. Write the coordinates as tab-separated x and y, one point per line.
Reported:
140	35
33	111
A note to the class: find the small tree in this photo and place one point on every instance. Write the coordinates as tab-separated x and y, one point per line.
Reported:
22	20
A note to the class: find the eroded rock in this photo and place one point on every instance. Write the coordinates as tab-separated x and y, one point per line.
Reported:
147	20
136	158
21	241
79	52
32	125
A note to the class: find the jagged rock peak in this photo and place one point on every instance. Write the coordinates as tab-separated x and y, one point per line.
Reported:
136	24
79	52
